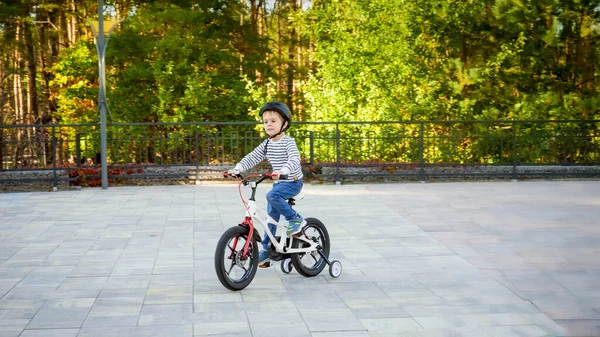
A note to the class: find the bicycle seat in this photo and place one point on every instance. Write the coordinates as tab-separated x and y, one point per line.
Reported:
297	197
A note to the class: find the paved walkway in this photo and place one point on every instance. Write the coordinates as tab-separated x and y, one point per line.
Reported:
438	259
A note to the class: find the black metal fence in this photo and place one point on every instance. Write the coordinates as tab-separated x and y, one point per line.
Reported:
329	150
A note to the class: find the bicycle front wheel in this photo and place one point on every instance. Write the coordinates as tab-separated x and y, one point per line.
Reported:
233	270
311	264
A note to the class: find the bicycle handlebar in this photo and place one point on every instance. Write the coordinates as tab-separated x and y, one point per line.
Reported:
253	183
261	176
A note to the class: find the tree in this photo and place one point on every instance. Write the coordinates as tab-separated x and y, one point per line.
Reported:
450	59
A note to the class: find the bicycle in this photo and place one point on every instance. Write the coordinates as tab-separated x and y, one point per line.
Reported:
236	255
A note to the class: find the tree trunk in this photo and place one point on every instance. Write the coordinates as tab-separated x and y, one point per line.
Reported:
32	98
290	73
63	33
579	52
47	52
4	90
264	22
32	106
256	21
18	94
3	103
72	23
253	14
257	16
1	149
279	49
300	70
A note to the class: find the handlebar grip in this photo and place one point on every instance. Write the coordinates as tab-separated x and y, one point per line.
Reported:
228	175
283	176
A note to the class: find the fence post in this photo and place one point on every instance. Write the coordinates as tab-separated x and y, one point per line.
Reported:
312	148
197	154
54	184
78	150
421	154
2	149
338	180
207	162
514	151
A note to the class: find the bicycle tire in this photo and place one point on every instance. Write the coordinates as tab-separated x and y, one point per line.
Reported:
248	266
320	263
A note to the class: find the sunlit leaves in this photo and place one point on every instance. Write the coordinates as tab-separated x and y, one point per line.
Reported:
453	59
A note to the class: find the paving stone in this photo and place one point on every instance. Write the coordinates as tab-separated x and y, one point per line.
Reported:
173	330
415	297
219	298
128	293
331	320
263	324
28	306
341	334
364	295
127	281
62	314
112	321
50	333
30	292
580	327
568	310
455	332
47	275
11	330
233	328
169	295
545	323
392	325
17	313
118	306
515	330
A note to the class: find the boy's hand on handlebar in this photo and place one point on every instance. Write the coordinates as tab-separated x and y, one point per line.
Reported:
232	173
276	175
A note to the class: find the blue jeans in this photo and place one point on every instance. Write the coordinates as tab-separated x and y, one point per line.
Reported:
278	206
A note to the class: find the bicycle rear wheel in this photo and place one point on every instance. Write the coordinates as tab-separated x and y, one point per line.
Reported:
311	264
234	271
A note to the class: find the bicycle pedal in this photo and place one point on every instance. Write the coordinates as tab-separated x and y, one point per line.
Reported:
265	265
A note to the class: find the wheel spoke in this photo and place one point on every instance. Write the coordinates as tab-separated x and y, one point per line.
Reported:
307	260
231	267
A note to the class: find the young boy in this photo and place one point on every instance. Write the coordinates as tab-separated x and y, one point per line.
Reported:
282	153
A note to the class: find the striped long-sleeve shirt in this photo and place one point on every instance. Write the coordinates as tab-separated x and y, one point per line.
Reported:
283	156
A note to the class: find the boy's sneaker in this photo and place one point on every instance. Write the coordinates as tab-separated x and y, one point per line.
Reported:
295	225
263	259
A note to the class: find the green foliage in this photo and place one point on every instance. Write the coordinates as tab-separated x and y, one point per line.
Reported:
171	62
75	80
178	65
360	61
450	59
350	60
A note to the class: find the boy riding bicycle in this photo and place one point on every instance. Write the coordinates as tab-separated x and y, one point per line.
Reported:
282	153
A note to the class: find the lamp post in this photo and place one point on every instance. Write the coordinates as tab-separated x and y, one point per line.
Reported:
100	30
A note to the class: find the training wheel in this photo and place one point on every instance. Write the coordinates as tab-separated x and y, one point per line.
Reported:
286	266
335	268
